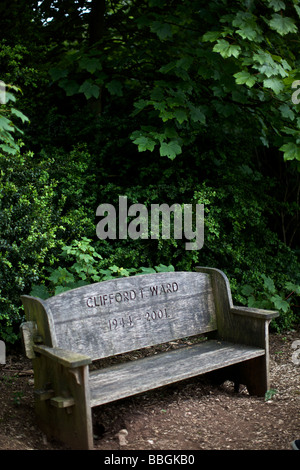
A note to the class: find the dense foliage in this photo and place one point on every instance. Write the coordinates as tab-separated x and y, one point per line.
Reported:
164	101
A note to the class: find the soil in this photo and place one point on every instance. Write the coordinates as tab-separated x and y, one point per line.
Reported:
191	415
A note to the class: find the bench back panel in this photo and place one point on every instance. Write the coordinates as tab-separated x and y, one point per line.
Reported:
121	315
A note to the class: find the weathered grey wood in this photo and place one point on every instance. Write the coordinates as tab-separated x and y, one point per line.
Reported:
122	315
253	312
66	358
65	333
69	387
28	332
44	394
36	312
242	325
237	324
127	379
62	402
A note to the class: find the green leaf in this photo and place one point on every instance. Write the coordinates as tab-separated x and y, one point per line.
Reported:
247	290
147	270
274	84
19	114
5	124
185	62
115	88
287	112
248	28
269	284
282	24
163	30
60	289
245	78
211	36
247	32
279	303
270	393
168	67
7	149
197	115
70	86
90	90
226	49
162	268
292	287
170	149
144	143
297	10
40	292
291	151
180	115
61	276
9	97
277	5
114	268
57	74
90	64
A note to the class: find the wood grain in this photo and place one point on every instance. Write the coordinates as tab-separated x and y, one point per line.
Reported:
122	315
127	379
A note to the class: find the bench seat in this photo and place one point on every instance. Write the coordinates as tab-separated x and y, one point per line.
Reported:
137	376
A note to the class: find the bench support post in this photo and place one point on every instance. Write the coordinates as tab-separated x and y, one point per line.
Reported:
251	373
254	375
64	412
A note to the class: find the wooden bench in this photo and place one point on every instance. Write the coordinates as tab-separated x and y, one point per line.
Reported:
65	333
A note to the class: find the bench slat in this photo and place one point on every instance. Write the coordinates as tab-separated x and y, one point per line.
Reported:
121	315
130	378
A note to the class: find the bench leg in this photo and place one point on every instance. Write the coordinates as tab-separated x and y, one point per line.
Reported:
62	403
255	375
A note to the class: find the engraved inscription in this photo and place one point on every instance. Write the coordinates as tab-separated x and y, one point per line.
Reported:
156	314
120	322
103	300
149	316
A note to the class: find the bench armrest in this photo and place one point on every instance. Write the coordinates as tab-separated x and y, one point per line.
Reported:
66	358
254	313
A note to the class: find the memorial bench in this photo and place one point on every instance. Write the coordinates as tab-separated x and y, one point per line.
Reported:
64	334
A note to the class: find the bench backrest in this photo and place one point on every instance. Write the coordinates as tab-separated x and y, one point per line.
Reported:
121	315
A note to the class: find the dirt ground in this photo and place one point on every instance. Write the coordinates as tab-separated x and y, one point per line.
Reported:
191	415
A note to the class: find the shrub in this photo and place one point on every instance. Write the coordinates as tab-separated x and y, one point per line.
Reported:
268	297
29	230
82	265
